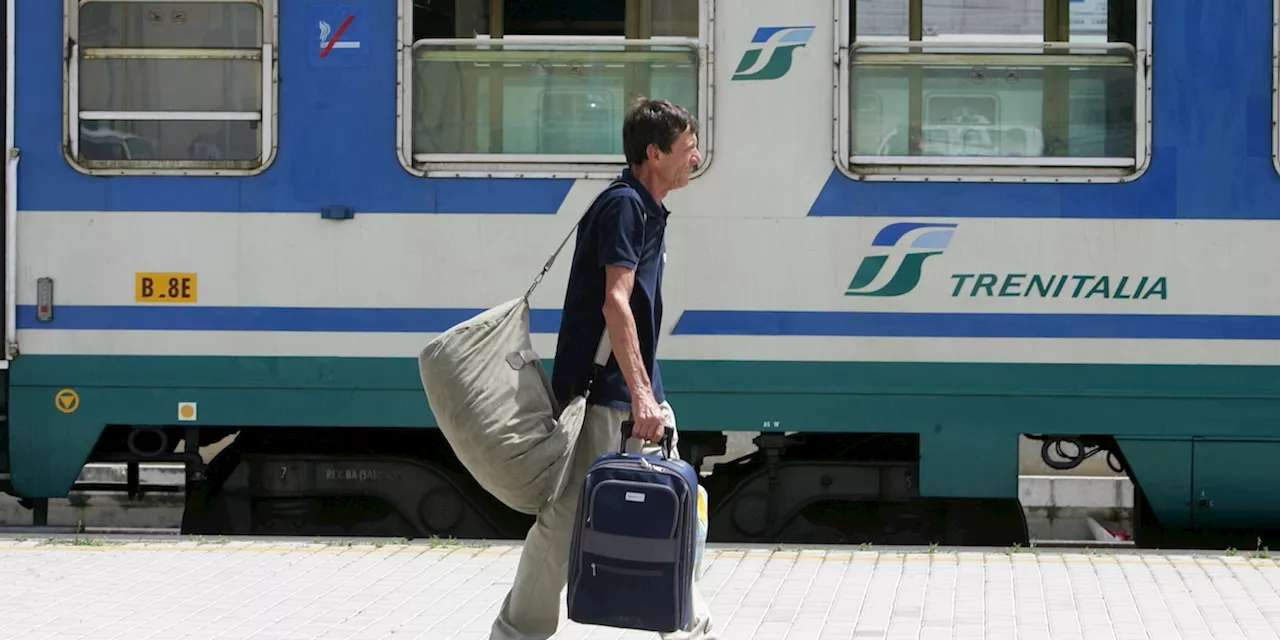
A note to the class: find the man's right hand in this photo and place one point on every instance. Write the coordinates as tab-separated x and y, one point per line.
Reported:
648	418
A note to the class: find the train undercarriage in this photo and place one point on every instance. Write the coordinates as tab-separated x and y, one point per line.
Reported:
813	489
809	488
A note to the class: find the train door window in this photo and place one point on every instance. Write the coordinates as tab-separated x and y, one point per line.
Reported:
166	87
992	90
513	87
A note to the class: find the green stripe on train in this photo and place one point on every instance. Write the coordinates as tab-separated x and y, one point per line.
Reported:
967	415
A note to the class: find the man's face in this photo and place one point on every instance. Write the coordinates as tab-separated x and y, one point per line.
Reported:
676	167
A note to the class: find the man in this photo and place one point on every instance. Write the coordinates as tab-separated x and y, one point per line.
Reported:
615	281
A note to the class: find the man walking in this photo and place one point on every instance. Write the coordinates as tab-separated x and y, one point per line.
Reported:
615	283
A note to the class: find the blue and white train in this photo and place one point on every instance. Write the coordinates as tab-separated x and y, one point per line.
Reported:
923	229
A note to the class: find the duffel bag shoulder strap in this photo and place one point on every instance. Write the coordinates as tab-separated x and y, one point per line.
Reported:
547	267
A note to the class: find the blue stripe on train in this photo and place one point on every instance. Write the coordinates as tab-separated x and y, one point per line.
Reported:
205	318
1211	142
979	325
336	130
337	136
1154	196
697	322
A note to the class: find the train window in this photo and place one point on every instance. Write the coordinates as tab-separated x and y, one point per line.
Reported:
171	87
540	88
1020	90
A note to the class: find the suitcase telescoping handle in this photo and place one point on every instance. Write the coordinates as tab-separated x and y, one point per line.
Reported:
667	434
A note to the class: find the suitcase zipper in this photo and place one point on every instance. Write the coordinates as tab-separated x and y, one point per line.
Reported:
624	571
628	464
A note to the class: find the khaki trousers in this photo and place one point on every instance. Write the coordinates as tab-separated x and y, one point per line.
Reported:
532	608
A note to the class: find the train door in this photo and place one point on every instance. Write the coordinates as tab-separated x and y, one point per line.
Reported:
7	309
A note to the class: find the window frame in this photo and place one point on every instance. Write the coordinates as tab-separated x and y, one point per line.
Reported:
997	169
268	117
1275	85
486	165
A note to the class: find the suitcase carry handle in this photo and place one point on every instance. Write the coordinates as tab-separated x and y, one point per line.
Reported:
667	434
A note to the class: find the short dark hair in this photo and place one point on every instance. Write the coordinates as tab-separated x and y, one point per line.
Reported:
653	122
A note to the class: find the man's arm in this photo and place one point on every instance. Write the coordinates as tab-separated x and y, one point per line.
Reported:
623	336
621	232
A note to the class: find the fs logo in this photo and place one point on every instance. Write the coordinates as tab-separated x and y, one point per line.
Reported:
912	243
769	56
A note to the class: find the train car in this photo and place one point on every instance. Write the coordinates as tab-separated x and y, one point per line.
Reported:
923	230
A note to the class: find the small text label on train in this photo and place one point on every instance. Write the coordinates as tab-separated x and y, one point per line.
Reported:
165	287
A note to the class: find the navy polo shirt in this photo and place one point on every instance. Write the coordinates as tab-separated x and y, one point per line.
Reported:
625	227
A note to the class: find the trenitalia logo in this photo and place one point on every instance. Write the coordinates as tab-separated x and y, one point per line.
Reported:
912	243
769	56
900	249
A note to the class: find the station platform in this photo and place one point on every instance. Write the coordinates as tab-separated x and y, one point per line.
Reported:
65	587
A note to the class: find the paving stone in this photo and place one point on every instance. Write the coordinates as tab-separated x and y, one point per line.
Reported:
286	590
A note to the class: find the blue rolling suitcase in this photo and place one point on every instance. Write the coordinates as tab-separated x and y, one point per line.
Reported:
632	555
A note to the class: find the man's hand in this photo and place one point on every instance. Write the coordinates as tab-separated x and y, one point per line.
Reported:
649	421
